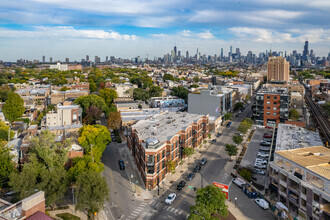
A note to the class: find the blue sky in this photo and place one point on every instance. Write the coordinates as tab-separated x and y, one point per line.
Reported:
129	28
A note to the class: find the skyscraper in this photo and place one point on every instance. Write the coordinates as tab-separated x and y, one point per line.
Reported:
305	52
87	58
278	69
221	54
187	55
50	59
175	52
43	59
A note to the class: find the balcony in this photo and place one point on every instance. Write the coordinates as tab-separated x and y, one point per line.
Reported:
293	198
168	153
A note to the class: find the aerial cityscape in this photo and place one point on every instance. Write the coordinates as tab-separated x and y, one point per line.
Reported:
175	110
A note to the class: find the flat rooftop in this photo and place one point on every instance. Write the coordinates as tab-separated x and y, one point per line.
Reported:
292	137
162	127
315	159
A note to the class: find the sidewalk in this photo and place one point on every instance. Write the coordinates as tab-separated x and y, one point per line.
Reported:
236	212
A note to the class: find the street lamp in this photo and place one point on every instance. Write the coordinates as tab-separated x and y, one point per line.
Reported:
235	201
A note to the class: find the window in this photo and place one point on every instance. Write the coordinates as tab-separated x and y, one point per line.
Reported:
274	113
163	176
275	97
158	159
268	113
274	108
158	168
268	97
176	153
268	103
163	164
275	103
163	154
268	108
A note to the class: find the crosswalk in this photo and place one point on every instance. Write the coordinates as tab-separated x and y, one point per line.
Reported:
137	211
224	178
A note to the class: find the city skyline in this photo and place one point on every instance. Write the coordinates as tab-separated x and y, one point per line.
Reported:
127	29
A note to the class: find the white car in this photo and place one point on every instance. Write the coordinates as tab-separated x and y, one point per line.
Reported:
262	203
260	166
239	182
258	171
170	199
260	154
261	161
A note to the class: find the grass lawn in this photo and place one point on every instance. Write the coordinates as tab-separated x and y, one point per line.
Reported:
67	216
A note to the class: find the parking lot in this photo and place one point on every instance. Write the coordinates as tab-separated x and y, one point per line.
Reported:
252	152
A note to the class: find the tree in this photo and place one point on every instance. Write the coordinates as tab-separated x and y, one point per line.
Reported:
92	100
193	86
129	92
228	116
293	114
171	167
210	201
231	149
4	131
196	79
114	120
82	164
237	139
155	91
245	125
45	170
238	106
188	151
6	164
246	174
109	95
180	92
140	94
13	107
96	137
168	77
93	114
4	92
91	192
92	86
326	108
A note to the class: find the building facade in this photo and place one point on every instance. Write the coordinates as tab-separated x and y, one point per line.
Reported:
300	179
158	140
278	69
271	106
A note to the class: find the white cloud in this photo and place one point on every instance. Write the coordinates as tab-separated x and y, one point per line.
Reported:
207	35
273	36
63	32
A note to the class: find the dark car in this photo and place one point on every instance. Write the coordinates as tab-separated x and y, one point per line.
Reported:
229	123
218	134
197	168
190	176
181	185
203	161
214	141
121	164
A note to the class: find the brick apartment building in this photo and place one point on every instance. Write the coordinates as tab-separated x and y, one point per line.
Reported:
162	138
271	106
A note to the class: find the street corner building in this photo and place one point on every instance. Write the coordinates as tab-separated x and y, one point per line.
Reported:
162	138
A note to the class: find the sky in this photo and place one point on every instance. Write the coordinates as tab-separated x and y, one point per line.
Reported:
30	29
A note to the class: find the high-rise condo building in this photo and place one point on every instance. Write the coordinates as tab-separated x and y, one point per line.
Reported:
43	59
278	69
305	52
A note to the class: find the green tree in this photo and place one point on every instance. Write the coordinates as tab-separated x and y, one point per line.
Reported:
4	92
180	92
4	131
293	114
140	94
171	167
94	137
155	91
93	114
246	174
92	86
13	107
196	79
238	106
231	150
109	95
210	201
92	100
114	120
237	139
91	192
82	164
6	164
326	108
188	152
193	86
168	77
45	170
228	116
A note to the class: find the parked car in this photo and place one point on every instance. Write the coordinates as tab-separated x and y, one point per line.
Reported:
203	161
262	203
267	139
214	141
181	185
190	176
261	160
268	135
10	193
121	164
261	154
265	142
249	191
218	134
258	171
229	123
170	199
260	166
197	168
239	182
265	149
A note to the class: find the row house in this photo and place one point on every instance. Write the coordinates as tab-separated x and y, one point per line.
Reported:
162	138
